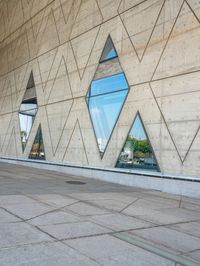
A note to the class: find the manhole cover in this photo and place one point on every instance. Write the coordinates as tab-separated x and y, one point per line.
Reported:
75	182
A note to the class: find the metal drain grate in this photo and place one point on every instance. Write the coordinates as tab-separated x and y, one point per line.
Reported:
75	182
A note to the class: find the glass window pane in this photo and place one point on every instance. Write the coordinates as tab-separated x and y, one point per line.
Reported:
108	84
37	151
104	111
26	123
109	50
137	152
28	110
106	96
25	108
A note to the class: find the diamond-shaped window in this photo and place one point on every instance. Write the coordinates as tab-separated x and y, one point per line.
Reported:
137	152
28	110
106	96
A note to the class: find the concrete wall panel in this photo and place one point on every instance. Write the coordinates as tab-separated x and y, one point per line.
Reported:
61	42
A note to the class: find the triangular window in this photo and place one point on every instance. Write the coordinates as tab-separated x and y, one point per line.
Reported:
37	151
28	110
137	152
109	51
106	95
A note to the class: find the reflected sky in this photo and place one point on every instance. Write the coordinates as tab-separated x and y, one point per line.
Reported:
109	50
107	96
137	130
108	84
104	111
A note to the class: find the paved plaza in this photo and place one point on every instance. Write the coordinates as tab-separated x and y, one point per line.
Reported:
44	220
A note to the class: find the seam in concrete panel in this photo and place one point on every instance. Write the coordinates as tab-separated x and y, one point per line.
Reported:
70	140
191	144
45	82
64	126
8	36
83	142
192	10
162	115
169	36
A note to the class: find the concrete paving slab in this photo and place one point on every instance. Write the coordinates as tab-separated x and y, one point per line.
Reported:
55	200
157	203
90	221
130	197
49	254
110	204
28	211
183	213
55	217
6	217
15	199
13	234
191	200
119	221
159	217
74	230
116	252
85	209
191	228
190	206
195	255
176	241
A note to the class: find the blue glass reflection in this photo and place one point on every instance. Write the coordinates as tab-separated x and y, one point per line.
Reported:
109	51
105	100
107	85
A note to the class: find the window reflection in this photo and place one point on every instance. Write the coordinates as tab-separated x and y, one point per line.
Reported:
37	151
137	152
105	100
109	51
108	85
28	110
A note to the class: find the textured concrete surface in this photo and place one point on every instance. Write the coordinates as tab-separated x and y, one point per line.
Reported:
61	42
46	221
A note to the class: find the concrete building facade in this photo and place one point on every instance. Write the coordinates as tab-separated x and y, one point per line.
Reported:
55	47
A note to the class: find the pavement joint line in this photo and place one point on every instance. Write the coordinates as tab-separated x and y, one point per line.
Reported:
17	216
51	211
149	196
186	253
136	241
82	253
123	209
27	244
36	227
141	217
37	216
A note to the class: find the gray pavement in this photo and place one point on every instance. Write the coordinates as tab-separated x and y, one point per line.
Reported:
46	221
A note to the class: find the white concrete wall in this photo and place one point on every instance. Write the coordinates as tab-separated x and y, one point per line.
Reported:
158	43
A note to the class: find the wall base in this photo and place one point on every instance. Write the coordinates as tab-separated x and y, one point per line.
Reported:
180	185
